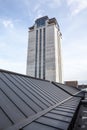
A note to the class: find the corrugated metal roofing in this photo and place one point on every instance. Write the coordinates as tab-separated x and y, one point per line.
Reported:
58	118
27	103
69	89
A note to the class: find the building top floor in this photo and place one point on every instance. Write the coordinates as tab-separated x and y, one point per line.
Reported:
44	21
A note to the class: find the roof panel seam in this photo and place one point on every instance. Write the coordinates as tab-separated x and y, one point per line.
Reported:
18	95
27	121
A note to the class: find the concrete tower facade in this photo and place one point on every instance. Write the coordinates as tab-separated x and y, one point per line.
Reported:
44	50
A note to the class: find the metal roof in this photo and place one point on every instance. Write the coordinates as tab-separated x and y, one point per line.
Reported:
69	89
27	103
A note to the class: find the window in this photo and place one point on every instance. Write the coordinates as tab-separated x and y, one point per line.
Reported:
40	22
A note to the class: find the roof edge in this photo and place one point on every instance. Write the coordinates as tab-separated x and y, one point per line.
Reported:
15	73
67	85
54	83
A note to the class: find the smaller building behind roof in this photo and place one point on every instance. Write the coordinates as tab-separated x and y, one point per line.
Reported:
72	83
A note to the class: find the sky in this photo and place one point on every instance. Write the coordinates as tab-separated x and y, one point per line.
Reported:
17	15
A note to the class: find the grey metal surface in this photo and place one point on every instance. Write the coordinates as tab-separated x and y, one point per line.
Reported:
81	121
58	118
25	101
69	89
39	126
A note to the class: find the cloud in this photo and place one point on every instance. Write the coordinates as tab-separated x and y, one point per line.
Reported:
2	45
76	6
8	23
74	60
37	7
54	3
13	65
13	51
39	13
38	10
75	69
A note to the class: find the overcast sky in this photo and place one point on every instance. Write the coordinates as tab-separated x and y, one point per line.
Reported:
17	15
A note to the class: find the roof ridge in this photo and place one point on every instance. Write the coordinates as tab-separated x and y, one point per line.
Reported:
16	73
66	90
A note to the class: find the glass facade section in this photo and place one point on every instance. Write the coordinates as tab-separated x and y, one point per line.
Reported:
41	22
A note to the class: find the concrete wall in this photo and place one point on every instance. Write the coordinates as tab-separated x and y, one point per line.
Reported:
50	53
31	53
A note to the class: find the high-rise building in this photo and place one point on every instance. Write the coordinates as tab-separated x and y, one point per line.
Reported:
44	50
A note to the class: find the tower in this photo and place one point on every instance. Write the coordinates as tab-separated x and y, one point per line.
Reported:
44	50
